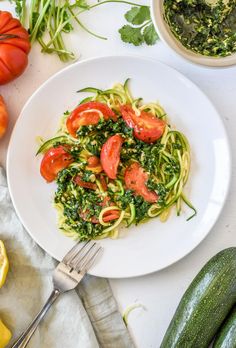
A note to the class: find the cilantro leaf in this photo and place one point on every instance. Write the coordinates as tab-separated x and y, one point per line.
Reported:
138	15
140	29
150	35
131	35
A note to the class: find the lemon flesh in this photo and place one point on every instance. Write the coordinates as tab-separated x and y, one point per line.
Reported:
4	264
5	335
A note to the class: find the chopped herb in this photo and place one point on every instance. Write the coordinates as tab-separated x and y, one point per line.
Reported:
209	29
160	189
79	204
141	206
87	176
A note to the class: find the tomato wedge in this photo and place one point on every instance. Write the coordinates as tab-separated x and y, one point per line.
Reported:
54	160
136	179
84	184
110	155
147	127
88	114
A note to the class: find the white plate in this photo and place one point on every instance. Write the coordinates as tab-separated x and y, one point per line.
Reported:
148	247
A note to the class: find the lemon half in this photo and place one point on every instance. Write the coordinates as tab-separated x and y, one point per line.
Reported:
5	335
4	264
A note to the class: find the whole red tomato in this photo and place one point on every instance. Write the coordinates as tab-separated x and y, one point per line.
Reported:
14	48
3	117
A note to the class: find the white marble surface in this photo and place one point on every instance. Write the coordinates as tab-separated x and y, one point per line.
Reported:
159	292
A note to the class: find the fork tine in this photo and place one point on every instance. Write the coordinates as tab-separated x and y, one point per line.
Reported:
88	259
80	257
74	251
88	245
87	264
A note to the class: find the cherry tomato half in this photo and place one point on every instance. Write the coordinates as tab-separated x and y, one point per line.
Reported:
136	179
110	155
94	164
54	160
88	114
93	161
147	127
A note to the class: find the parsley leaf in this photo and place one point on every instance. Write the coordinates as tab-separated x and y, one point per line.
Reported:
150	35
131	35
138	15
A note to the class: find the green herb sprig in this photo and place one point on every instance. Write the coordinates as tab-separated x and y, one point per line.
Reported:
142	29
50	20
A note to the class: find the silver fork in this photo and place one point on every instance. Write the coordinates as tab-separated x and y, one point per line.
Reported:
66	276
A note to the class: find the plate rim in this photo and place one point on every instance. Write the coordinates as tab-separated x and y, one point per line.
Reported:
185	79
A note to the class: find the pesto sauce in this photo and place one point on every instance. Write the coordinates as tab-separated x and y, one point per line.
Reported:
203	28
75	199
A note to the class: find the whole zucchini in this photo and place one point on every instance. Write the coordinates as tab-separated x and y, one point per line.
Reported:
226	338
205	304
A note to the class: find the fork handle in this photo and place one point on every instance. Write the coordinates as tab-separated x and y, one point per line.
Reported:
25	337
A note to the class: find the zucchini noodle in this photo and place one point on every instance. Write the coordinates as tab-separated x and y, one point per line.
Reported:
85	195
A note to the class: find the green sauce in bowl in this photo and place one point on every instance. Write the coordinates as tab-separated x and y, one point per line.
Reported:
208	29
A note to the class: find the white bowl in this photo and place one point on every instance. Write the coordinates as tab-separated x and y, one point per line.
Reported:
164	32
147	247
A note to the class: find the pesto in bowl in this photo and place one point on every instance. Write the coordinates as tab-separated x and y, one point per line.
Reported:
205	28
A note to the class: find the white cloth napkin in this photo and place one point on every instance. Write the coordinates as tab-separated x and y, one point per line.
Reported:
29	284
